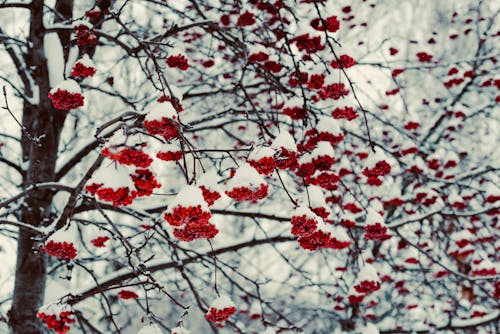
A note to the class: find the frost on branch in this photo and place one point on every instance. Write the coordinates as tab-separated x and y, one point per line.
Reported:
262	74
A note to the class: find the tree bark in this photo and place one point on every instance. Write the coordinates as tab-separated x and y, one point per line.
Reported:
45	124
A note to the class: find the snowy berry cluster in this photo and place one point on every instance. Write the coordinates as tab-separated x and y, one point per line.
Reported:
190	216
366	283
314	234
162	120
83	68
66	95
85	34
220	310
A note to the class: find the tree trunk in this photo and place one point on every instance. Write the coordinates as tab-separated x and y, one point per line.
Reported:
44	123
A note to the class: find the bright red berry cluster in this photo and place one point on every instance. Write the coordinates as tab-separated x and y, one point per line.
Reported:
316	81
191	222
325	180
367	282
331	23
321	239
85	36
82	71
367	286
144	182
348	113
308	44
344	61
220	316
166	127
295	113
170	155
65	100
128	156
334	91
61	250
179	61
127	294
258	57
99	241
319	163
94	14
272	66
313	137
174	101
181	215
380	169
120	196
58	323
303	225
210	196
286	159
265	165
196	230
298	78
424	57
253	195
245	19
377	231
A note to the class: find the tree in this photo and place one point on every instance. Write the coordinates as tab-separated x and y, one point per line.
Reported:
249	166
